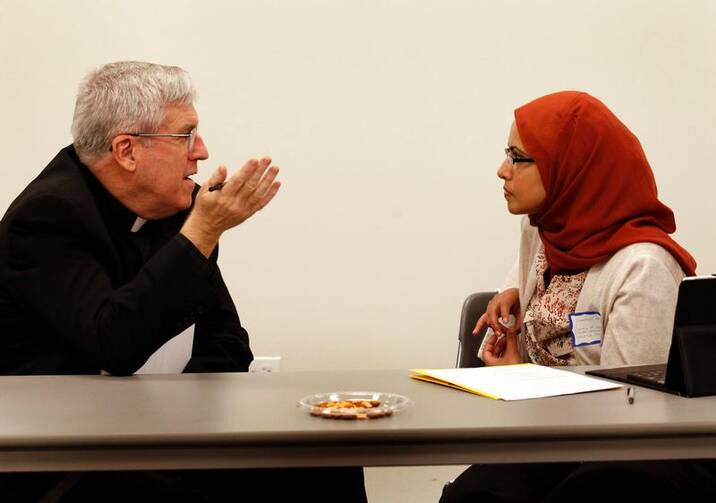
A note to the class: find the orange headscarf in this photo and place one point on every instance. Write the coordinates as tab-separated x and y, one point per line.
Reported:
601	192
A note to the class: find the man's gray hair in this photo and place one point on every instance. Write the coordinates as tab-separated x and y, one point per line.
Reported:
125	97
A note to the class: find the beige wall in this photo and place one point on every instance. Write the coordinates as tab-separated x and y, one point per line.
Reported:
388	119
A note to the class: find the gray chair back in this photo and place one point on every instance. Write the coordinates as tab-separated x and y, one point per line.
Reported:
468	344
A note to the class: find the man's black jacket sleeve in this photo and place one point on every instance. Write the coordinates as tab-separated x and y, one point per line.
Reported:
58	271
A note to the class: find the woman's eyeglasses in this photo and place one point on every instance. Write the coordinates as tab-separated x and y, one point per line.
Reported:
516	158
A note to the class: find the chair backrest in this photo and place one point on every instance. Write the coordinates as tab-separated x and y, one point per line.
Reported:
468	344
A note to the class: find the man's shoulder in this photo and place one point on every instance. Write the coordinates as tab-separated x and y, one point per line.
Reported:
60	189
63	177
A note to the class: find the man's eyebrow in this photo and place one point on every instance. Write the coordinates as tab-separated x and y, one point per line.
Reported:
189	125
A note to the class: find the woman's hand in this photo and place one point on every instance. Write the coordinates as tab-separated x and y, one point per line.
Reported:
501	350
502	347
497	314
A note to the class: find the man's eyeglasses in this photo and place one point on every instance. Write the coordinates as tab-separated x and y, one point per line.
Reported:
516	159
191	135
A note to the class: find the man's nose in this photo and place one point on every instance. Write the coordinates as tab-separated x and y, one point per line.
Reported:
199	152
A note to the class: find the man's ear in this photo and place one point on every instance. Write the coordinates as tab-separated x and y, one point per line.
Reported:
123	152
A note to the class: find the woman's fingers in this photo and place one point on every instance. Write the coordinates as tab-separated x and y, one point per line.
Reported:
488	352
500	345
516	326
481	322
493	315
499	310
505	309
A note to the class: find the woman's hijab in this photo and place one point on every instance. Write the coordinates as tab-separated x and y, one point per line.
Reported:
601	192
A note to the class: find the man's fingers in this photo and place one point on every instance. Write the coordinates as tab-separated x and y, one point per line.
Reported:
239	179
218	176
266	182
252	183
273	189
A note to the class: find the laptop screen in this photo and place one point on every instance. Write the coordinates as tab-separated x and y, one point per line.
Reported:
695	306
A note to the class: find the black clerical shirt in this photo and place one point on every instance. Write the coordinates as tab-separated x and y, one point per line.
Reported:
81	293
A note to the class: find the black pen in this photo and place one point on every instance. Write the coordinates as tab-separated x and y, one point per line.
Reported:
630	392
216	186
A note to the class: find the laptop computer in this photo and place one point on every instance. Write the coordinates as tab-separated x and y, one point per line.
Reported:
691	366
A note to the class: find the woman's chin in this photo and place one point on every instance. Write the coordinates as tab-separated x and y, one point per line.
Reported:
514	208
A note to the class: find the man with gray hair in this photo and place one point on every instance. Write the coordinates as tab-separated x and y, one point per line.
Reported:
110	255
102	257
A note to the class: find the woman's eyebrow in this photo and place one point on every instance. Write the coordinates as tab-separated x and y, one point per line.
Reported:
516	150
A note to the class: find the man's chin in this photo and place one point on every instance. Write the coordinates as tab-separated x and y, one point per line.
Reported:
188	193
187	204
178	207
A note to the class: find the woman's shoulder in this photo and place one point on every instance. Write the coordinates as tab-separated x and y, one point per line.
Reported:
643	259
640	269
646	252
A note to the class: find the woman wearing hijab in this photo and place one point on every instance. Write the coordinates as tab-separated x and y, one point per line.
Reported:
595	283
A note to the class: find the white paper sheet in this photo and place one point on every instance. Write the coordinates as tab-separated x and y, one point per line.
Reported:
515	382
172	357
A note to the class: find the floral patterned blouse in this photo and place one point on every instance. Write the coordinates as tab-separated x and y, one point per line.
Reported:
547	335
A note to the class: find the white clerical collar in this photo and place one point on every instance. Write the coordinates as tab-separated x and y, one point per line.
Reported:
138	223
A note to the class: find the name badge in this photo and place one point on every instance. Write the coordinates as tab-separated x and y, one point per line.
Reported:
586	328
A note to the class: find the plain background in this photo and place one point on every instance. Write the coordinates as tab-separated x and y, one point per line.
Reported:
388	119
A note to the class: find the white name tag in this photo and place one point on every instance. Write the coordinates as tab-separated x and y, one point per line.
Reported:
586	328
